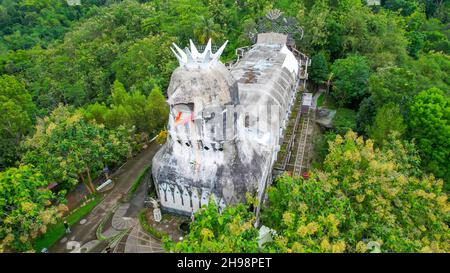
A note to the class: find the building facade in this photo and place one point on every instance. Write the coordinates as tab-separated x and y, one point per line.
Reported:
225	125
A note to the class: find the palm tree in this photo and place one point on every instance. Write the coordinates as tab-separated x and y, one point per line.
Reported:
206	29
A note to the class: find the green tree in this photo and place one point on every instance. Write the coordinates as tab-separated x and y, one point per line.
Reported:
429	123
344	120
321	146
392	84
207	29
319	70
26	23
15	118
180	18
231	230
416	43
154	67
387	121
315	22
400	84
432	7
158	110
67	149
405	7
133	110
119	94
354	29
118	116
139	109
350	79
25	207
364	197
119	113
96	112
147	114
365	116
79	69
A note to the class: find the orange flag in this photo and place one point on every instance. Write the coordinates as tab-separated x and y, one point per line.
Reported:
178	118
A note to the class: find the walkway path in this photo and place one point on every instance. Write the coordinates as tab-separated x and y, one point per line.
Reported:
139	241
304	149
85	231
125	218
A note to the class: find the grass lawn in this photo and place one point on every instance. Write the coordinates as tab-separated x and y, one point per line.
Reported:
56	231
138	182
147	227
326	101
344	120
320	100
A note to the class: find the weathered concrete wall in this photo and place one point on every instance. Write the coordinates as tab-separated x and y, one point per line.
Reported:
224	126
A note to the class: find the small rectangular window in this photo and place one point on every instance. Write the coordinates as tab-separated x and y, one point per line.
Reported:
247	121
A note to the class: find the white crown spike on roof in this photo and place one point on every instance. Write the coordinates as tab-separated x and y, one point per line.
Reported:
181	56
219	52
192	58
207	57
194	50
180	51
207	48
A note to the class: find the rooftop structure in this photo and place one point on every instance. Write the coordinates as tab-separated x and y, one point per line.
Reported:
307	100
74	2
373	2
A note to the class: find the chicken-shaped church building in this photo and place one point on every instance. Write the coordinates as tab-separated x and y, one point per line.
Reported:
225	125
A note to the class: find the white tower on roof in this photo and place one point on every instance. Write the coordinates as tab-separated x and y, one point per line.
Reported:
74	2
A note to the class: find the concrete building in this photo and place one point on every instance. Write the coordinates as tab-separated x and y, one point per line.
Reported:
74	2
373	2
225	124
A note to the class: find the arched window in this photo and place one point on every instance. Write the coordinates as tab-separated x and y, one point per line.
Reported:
200	145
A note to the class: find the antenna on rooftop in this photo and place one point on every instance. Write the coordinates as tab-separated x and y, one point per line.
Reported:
275	21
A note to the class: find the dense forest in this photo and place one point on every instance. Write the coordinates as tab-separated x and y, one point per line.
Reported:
82	87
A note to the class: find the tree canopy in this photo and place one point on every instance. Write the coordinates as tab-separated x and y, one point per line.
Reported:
16	118
387	121
429	122
350	79
25	206
364	200
230	230
144	114
68	149
364	196
319	71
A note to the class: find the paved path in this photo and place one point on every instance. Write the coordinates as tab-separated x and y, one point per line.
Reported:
139	241
123	179
126	218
